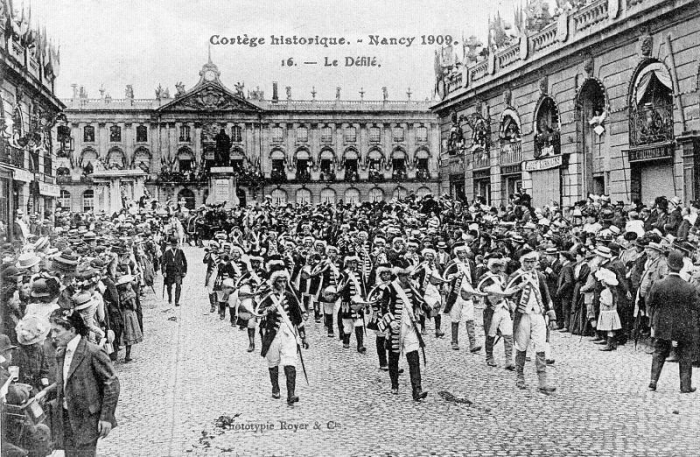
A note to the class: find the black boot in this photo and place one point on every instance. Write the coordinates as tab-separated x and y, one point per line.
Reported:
455	336
541	366
438	321
329	324
414	370
520	369
251	337
471	333
341	333
274	379
381	353
489	351
212	302
611	344
291	373
346	341
360	335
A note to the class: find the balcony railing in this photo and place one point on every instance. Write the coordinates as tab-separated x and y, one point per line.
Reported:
454	83
480	71
590	15
481	160
511	153
545	38
508	56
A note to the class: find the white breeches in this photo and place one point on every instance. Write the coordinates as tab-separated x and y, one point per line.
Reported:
462	311
532	327
283	350
501	321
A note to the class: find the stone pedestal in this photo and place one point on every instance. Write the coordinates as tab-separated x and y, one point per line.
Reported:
112	182
222	187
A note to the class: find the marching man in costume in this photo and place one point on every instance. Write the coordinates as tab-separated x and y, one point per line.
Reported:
280	328
330	277
400	301
352	291
532	304
383	280
429	280
498	309
461	273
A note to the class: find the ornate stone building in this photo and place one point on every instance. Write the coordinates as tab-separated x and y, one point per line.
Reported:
29	111
600	99
192	145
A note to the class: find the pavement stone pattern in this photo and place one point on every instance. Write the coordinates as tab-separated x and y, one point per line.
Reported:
193	368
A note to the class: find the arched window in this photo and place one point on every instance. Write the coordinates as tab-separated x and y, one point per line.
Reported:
327	165
88	200
352	196
422	192
88	156
375	162
303	162
376	195
400	193
548	128
188	196
141	134
116	159
88	134
277	163
422	159
115	134
328	196
185	160
303	196
651	106
142	159
279	197
350	158
64	200
398	164
236	134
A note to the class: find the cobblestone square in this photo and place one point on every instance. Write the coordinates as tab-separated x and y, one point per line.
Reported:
193	368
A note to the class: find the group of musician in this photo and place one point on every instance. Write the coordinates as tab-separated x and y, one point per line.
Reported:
276	284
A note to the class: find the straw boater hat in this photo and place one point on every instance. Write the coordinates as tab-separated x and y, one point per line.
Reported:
27	260
603	251
82	301
430	251
606	276
125	279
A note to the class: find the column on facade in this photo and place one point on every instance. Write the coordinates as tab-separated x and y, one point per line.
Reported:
387	147
102	138
197	138
339	149
314	151
435	151
265	162
129	142
78	145
362	149
172	140
411	144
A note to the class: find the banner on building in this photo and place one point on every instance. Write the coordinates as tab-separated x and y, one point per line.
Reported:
543	164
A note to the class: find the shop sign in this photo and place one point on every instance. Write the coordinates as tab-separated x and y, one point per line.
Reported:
543	164
511	169
650	153
221	170
49	190
22	175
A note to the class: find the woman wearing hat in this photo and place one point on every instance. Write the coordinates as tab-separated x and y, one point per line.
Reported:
30	356
131	331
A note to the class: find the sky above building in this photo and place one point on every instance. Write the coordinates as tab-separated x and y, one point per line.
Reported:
112	43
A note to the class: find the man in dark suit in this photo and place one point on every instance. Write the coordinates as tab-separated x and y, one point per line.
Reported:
565	290
174	269
673	307
86	384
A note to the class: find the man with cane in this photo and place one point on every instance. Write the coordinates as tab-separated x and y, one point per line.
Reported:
282	331
174	269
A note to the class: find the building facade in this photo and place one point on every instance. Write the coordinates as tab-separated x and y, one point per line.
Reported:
190	146
602	99
30	115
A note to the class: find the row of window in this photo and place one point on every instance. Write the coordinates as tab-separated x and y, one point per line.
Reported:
350	134
64	200
351	195
115	134
302	134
